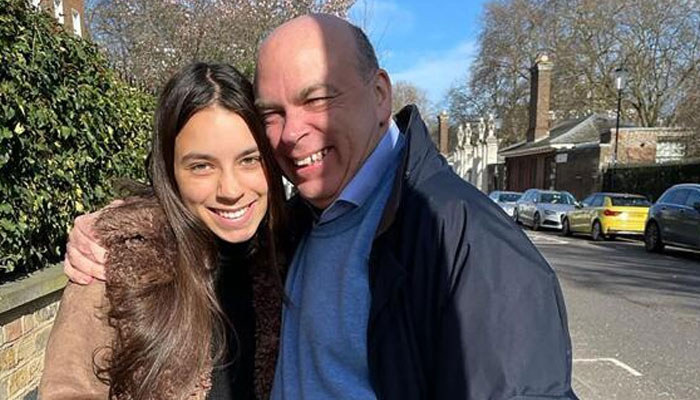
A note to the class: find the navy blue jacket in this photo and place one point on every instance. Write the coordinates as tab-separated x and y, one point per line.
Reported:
463	305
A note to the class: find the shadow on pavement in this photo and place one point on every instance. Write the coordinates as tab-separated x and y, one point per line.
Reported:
624	268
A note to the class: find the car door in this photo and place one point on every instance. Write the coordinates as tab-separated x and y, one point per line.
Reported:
531	206
578	216
689	230
671	216
593	211
524	206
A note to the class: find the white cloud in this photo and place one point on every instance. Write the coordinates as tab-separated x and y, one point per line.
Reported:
437	72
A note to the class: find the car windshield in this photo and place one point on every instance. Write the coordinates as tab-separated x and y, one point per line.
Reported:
630	201
509	197
556	198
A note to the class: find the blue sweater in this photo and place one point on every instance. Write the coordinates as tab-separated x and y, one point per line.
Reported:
323	350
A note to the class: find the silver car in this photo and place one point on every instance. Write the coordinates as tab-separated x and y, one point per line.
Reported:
543	208
506	200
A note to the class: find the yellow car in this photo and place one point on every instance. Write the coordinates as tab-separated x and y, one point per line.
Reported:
604	215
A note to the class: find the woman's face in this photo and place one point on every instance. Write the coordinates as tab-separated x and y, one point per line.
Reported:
219	173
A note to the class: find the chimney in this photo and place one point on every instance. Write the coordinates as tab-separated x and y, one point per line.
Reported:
442	132
540	86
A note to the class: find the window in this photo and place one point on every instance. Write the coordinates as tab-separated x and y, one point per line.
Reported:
58	10
666	196
693	198
557	198
36	4
670	151
598	201
587	201
76	23
630	201
678	197
508	197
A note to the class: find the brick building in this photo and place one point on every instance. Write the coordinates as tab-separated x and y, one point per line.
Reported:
69	13
573	154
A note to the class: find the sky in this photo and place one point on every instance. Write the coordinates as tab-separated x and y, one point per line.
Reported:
427	43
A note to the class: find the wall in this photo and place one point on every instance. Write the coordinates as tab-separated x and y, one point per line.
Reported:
580	174
27	311
68	6
531	171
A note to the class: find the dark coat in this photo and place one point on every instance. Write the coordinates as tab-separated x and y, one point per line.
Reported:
463	305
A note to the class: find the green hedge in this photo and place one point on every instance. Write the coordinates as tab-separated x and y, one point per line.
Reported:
68	126
651	180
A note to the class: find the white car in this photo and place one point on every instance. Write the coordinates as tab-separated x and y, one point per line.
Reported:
543	208
506	200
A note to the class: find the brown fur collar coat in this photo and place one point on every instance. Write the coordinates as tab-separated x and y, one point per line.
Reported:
141	248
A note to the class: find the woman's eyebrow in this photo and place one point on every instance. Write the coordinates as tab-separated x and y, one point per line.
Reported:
197	156
248	151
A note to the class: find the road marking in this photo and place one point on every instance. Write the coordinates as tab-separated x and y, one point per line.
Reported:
546	238
615	361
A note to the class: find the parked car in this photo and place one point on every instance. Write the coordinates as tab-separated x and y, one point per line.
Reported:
605	215
543	208
674	219
505	199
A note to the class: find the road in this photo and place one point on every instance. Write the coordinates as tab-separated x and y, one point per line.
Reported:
634	317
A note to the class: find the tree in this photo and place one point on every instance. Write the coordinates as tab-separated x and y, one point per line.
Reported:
587	39
147	40
405	93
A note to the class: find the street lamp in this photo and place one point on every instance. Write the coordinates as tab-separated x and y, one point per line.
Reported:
620	83
497	123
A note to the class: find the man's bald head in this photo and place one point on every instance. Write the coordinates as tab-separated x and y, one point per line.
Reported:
324	101
338	35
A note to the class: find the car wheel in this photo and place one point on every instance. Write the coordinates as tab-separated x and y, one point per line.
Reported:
515	216
536	222
652	238
597	231
565	227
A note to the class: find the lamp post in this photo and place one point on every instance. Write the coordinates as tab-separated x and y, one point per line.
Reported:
620	82
497	124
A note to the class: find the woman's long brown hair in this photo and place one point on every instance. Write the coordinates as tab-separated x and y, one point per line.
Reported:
180	320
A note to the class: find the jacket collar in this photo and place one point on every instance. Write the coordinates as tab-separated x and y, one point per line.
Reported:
419	152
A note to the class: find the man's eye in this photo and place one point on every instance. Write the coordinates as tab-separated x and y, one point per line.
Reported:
270	119
318	100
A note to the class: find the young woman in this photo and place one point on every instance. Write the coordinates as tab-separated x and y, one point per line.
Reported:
190	307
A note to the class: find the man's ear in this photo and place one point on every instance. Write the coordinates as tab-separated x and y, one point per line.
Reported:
382	93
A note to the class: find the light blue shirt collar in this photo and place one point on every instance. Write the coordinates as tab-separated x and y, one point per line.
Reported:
367	177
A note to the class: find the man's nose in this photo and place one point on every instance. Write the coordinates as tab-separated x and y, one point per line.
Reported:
295	127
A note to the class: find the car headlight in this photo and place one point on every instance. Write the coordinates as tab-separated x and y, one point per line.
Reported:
550	212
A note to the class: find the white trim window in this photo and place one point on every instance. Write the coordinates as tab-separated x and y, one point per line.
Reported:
77	29
58	10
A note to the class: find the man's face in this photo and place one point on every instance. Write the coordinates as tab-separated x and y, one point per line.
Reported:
321	116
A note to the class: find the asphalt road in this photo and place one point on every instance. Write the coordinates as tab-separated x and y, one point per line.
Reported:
634	317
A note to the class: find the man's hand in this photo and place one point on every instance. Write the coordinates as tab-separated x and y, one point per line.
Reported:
85	257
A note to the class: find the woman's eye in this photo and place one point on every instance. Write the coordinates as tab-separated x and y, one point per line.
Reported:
199	167
251	160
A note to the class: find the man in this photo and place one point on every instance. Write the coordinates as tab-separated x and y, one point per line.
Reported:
407	282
